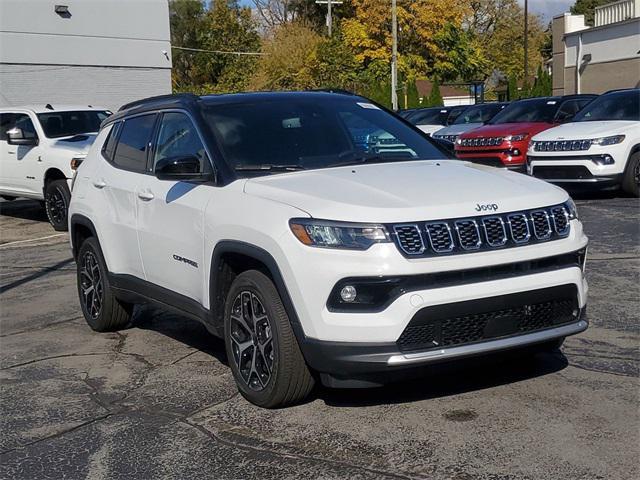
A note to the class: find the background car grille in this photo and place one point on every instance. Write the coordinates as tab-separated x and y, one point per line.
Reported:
562	145
474	321
482	233
481	142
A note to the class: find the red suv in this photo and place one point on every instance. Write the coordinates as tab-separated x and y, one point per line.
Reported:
504	140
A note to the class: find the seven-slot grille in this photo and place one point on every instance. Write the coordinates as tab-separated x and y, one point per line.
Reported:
482	233
481	142
561	145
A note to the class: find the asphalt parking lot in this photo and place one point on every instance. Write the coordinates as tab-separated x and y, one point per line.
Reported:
157	400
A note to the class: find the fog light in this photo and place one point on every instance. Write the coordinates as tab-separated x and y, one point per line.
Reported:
604	159
348	294
515	152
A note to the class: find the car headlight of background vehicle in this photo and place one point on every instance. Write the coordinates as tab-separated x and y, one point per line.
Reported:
603	141
328	234
516	138
571	209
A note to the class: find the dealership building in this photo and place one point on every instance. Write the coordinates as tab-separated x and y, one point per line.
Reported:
83	52
599	58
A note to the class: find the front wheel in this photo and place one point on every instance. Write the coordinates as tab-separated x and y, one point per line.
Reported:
263	353
631	179
56	199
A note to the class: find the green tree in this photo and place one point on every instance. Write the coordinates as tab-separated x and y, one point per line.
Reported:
435	98
186	20
413	96
333	64
512	88
587	8
458	56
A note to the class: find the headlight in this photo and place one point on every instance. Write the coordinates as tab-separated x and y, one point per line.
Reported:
516	138
613	140
323	233
571	208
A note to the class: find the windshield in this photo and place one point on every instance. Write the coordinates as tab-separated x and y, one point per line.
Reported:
613	106
479	114
429	116
67	124
303	133
534	110
455	113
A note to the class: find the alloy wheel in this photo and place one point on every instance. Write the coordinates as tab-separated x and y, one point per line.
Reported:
252	340
91	285
56	206
636	173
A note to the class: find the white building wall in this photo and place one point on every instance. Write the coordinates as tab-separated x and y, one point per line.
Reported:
106	52
614	42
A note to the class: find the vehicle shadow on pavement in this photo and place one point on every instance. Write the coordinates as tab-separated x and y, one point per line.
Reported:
181	329
24	209
445	380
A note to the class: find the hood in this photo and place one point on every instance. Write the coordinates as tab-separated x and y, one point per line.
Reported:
588	130
459	129
430	129
77	143
404	191
504	129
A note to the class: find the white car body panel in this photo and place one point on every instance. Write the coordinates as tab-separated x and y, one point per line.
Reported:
430	129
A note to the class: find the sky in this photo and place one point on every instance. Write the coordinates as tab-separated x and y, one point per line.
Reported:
545	8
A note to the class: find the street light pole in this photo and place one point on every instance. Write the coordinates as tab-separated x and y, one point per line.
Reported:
329	4
394	56
526	41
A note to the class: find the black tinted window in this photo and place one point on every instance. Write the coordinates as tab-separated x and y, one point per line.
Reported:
66	124
110	145
535	110
313	133
612	106
9	121
479	114
131	152
178	138
431	116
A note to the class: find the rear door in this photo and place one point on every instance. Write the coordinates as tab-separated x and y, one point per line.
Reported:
171	213
118	179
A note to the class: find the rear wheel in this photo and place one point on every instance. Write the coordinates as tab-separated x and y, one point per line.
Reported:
101	309
263	353
56	198
631	179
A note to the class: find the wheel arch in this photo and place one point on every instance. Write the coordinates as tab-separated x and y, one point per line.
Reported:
52	173
635	149
81	228
241	256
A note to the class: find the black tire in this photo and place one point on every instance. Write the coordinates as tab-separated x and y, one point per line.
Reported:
632	175
101	309
278	375
56	199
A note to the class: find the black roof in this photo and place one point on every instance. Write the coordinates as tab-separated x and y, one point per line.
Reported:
189	100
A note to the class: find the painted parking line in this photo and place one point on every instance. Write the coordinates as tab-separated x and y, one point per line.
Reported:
21	242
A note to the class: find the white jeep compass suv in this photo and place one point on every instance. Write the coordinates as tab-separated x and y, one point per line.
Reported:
282	223
40	147
599	147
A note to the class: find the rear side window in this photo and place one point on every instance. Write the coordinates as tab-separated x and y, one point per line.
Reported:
109	147
133	143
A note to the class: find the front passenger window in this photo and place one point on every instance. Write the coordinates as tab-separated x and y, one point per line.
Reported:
178	138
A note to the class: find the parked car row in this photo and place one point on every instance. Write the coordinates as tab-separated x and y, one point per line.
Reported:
570	140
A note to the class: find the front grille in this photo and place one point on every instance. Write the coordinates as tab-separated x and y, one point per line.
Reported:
462	235
473	321
481	142
448	138
562	145
409	238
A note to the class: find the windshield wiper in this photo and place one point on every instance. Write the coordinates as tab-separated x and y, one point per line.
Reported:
267	167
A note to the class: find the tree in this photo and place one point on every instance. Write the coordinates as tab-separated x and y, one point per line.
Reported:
186	19
512	88
542	86
587	8
413	96
435	98
333	64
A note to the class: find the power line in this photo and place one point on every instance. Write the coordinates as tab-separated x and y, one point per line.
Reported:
216	51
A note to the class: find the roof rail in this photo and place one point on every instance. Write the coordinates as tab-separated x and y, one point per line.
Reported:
144	101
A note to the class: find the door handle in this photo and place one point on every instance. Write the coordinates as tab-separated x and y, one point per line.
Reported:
146	196
99	184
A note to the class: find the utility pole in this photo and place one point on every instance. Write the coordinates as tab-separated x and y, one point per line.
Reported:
394	56
329	4
526	41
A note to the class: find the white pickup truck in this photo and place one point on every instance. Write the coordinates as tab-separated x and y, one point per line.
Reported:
40	147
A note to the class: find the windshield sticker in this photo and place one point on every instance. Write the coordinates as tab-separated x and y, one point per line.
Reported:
368	105
551	102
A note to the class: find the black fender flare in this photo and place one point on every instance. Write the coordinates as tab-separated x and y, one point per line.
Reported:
264	257
78	219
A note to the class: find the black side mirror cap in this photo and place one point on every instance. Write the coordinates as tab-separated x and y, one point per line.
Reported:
182	168
16	136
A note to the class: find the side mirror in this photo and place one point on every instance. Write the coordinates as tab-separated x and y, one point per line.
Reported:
16	136
182	168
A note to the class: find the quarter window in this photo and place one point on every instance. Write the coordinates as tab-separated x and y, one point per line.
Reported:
133	144
110	145
178	138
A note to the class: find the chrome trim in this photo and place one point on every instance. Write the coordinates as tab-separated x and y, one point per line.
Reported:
451	245
414	225
488	346
533	224
526	222
486	234
475	224
567	229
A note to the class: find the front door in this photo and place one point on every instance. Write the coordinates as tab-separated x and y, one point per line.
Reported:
19	168
171	213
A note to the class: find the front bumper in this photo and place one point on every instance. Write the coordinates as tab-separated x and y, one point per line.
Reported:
511	156
575	170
